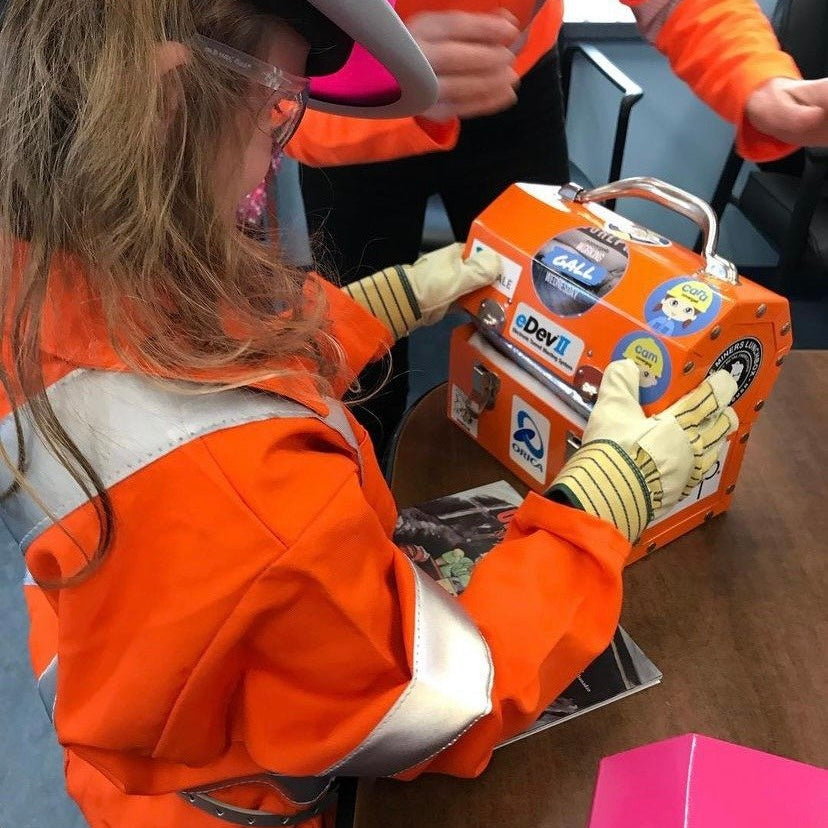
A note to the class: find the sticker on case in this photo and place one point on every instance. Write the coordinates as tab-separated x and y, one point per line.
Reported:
653	363
682	306
461	413
573	270
562	348
742	359
529	439
510	270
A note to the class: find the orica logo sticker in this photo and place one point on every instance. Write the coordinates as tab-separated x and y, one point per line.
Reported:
529	438
562	348
653	363
527	433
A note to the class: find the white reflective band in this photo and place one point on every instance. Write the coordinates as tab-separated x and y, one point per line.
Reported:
651	15
450	689
47	688
122	423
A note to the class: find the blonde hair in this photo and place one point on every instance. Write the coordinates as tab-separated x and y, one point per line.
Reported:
91	173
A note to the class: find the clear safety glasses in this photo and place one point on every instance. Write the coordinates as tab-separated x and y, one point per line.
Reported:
289	97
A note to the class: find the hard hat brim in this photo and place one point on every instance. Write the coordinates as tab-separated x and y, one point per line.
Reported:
384	73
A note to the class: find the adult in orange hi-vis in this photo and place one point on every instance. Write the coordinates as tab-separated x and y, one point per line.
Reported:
366	184
220	621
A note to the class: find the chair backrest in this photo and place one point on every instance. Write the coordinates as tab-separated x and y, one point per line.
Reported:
802	29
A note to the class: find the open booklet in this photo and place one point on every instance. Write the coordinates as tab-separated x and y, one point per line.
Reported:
448	536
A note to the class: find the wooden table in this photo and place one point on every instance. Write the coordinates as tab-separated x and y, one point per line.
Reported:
735	614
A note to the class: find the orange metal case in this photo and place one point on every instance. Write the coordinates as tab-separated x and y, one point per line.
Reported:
583	286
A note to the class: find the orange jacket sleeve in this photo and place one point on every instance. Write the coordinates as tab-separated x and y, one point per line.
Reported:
725	50
325	140
334	634
547	601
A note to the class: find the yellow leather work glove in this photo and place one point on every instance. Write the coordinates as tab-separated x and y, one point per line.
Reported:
629	465
406	297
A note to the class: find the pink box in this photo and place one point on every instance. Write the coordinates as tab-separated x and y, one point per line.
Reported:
697	782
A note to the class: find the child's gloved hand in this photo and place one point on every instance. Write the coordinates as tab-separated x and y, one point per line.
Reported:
629	465
406	297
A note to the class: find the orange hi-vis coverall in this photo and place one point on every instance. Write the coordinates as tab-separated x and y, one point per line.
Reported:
724	49
253	630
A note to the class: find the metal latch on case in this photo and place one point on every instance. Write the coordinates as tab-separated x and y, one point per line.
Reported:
573	443
484	390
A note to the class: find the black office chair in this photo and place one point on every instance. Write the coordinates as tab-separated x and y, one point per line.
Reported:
631	94
437	231
787	200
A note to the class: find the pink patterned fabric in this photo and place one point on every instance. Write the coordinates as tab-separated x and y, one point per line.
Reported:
251	210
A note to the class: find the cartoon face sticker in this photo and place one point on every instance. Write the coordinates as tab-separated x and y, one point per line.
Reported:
653	363
682	306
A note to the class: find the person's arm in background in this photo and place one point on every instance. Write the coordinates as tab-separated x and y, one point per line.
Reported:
727	52
470	53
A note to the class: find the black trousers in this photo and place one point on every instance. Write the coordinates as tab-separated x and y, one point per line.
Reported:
366	217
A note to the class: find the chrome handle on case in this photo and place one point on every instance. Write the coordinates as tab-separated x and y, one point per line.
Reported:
680	201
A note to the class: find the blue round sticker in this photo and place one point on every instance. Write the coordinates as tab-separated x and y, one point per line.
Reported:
653	363
682	306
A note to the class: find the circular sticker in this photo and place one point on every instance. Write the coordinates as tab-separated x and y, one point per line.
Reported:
653	363
629	231
575	269
681	307
742	359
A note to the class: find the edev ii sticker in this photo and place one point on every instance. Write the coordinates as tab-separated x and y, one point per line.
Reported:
742	359
557	344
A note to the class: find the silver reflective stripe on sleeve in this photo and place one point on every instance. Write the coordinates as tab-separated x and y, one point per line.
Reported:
450	689
47	688
122	423
651	15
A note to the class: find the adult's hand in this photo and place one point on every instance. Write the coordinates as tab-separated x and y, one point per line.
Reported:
472	56
793	111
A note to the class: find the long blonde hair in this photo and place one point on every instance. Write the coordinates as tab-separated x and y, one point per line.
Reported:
88	173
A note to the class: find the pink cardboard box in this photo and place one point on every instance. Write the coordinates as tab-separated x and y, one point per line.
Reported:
697	782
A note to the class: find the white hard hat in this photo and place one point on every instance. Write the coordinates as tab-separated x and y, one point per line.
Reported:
363	61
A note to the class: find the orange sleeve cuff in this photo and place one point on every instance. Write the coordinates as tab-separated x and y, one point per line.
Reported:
725	50
363	337
325	140
750	142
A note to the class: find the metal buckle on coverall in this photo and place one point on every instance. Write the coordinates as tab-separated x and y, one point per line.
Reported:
266	819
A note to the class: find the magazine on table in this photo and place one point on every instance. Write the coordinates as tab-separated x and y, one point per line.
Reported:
446	538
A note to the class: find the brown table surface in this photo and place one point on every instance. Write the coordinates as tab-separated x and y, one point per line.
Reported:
735	614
